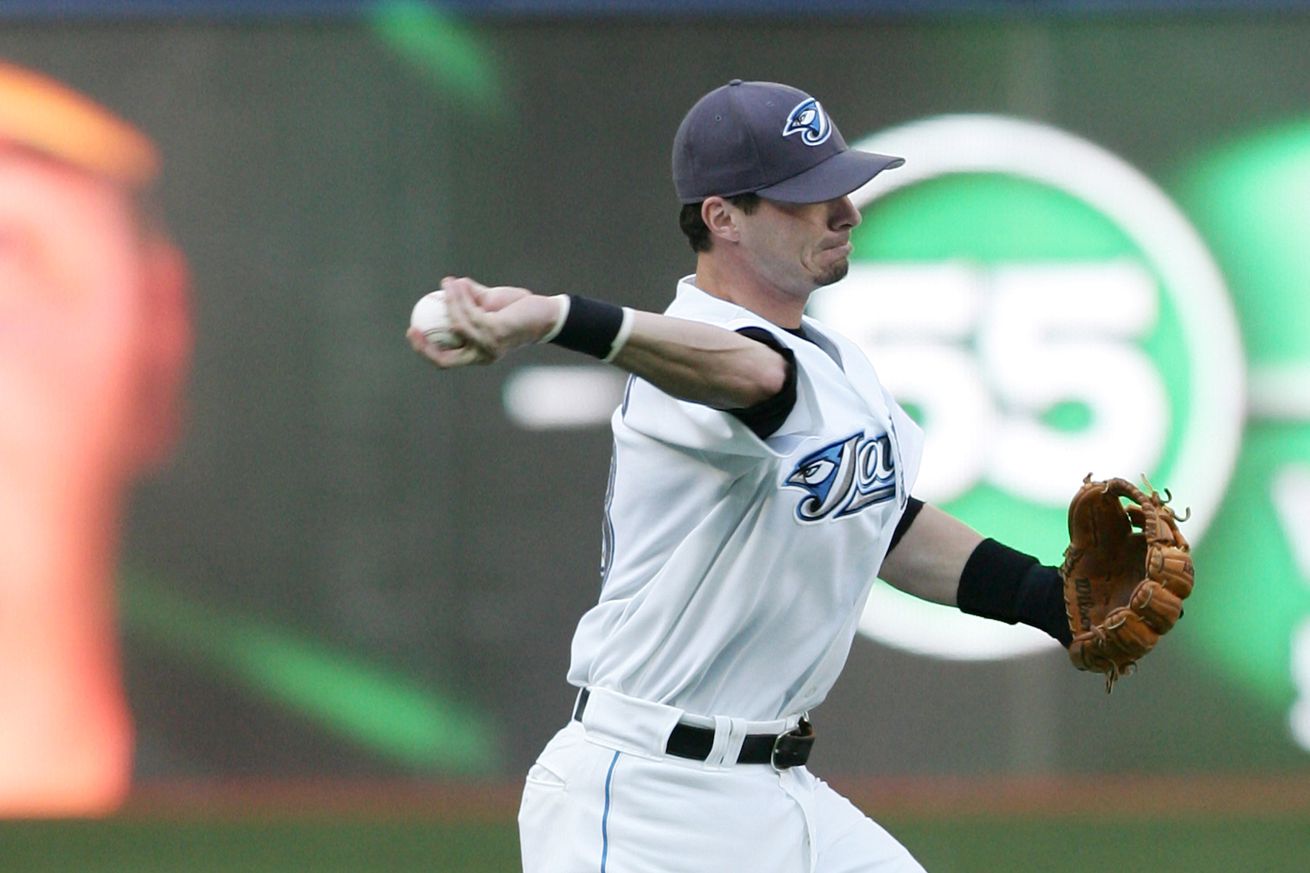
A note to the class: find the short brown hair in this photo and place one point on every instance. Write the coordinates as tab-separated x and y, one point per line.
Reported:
698	235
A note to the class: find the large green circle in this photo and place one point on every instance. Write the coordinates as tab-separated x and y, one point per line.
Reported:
992	219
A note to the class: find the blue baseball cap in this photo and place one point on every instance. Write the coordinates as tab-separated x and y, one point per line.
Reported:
767	139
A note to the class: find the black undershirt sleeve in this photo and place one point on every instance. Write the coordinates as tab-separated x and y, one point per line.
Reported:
765	417
907	518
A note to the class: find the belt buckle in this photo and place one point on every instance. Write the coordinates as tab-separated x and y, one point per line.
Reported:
792	749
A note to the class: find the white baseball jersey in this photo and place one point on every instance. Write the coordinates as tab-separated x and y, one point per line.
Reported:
736	568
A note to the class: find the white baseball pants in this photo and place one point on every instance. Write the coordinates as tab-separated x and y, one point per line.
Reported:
603	797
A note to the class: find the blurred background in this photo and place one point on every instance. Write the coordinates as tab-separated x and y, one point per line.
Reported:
276	595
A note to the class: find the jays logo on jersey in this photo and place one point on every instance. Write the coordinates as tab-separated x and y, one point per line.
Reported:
844	477
810	121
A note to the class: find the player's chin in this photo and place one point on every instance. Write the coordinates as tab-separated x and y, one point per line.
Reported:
834	272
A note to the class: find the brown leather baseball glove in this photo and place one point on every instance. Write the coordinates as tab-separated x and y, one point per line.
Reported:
1126	573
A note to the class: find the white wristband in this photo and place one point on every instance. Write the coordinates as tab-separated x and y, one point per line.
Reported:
559	319
621	338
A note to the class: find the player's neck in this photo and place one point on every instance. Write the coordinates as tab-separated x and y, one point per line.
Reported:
747	289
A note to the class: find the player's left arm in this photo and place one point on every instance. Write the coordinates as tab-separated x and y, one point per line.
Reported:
941	559
930	556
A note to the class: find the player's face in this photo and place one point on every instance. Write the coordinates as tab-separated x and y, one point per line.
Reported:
800	247
70	323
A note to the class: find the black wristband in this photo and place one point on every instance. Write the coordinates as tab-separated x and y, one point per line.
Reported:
591	327
1001	583
1041	603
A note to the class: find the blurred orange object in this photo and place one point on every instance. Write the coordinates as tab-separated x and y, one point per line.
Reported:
94	346
52	119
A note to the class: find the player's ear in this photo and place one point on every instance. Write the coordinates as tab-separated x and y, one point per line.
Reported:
164	352
721	219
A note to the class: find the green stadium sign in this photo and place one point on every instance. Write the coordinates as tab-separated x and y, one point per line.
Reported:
1250	196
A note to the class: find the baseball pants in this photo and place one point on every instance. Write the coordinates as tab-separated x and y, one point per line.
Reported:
603	797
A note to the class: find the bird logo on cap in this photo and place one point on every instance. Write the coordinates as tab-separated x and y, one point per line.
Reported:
810	121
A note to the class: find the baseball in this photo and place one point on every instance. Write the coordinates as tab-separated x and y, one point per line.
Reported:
430	316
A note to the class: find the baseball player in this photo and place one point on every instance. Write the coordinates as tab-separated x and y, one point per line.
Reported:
761	479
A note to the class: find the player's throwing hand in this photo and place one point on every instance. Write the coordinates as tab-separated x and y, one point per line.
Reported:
486	323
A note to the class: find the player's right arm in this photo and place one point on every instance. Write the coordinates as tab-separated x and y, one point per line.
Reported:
689	360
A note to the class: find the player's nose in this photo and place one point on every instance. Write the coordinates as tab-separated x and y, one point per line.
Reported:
842	214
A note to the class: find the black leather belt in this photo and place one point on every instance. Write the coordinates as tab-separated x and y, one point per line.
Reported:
790	749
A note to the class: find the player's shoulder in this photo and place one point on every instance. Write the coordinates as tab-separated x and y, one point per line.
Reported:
693	304
814	327
696	305
831	340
